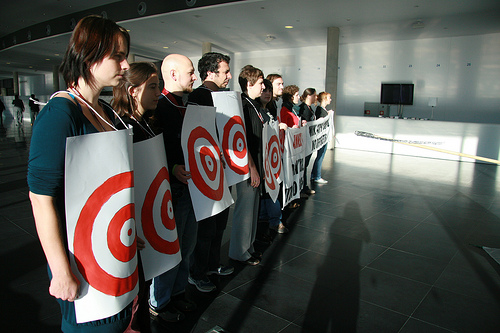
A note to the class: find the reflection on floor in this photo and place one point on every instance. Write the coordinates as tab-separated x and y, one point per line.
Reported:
390	244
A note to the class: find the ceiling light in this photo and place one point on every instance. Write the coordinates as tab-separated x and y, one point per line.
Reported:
165	47
270	38
418	25
288	26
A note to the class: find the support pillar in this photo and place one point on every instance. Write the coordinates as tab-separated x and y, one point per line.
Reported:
55	79
15	76
332	68
332	64
206	47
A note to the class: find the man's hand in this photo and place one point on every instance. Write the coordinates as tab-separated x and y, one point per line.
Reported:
181	174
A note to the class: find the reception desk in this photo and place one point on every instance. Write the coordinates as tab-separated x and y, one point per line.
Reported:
466	138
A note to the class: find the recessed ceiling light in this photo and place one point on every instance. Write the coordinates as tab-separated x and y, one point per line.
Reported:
165	47
288	26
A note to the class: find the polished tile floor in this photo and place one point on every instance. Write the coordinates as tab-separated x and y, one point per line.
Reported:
390	244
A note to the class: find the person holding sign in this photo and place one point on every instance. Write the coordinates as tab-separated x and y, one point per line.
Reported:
215	73
138	94
306	114
324	99
167	298
96	57
246	209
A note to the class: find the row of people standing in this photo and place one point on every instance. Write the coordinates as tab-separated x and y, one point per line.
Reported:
96	57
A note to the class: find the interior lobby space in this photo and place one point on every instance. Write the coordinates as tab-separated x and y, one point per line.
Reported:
391	244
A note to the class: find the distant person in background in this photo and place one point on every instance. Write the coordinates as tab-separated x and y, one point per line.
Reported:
19	109
324	99
2	108
34	107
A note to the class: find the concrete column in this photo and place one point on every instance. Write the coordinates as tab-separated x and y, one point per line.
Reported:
131	58
332	68
55	79
332	64
206	47
15	76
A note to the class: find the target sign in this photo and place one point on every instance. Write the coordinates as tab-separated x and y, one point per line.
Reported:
205	164
234	145
149	226
274	156
269	177
120	238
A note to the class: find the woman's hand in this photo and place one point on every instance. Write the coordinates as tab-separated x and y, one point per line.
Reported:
65	287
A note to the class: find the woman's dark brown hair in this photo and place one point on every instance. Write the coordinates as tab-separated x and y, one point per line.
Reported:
307	92
137	74
288	93
92	40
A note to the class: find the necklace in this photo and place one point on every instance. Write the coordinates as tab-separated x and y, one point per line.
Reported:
255	109
147	130
93	111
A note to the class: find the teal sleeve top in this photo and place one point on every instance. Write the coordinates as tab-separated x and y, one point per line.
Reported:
59	119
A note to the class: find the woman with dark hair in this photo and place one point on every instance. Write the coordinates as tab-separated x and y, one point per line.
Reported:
96	58
324	99
137	97
306	114
134	99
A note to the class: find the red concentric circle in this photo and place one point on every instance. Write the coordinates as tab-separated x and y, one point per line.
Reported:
85	258
204	163
234	145
149	227
274	156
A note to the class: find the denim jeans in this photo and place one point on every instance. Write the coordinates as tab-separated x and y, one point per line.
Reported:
174	281
270	211
316	169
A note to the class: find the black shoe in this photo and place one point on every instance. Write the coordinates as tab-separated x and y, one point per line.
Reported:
257	255
252	261
168	315
181	303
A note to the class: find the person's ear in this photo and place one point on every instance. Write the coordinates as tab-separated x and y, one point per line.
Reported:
132	91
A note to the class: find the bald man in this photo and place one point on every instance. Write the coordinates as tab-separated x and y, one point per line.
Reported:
167	298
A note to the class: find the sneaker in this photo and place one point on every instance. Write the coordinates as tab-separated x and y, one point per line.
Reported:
320	181
168	315
203	285
280	228
309	191
222	271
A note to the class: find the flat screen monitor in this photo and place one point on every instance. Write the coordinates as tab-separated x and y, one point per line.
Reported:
397	93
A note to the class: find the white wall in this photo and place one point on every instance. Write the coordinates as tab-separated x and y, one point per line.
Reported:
462	72
304	67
